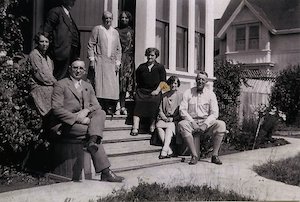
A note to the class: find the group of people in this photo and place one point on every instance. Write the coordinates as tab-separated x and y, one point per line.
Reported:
173	113
79	107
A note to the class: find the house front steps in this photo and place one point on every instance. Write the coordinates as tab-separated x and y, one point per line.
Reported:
127	152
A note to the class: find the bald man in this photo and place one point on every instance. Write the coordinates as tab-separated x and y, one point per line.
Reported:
80	116
199	109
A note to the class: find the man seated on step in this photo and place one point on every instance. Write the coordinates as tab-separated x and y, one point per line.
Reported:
79	115
199	109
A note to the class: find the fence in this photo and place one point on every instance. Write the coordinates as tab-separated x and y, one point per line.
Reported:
252	96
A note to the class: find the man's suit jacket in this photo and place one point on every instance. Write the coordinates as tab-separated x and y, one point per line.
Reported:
66	101
58	24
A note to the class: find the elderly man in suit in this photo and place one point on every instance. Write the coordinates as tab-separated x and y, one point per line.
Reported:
79	115
65	47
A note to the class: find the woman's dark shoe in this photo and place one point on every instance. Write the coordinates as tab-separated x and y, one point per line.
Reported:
194	160
134	133
216	160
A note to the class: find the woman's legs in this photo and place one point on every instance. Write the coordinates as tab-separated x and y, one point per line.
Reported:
136	123
152	125
168	138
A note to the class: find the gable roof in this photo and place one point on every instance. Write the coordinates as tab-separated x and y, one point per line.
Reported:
279	16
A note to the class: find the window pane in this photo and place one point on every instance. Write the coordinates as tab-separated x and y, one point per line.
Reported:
254	37
182	12
199	51
240	38
181	49
162	9
162	42
199	15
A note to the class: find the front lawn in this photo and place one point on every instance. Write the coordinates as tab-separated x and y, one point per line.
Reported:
286	171
159	192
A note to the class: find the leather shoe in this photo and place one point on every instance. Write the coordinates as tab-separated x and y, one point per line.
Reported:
194	160
110	176
92	147
216	160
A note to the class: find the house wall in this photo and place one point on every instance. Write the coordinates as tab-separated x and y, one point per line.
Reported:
285	50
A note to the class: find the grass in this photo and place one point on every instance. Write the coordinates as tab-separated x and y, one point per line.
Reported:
159	192
286	171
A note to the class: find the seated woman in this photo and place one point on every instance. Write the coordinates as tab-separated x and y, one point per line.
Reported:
168	116
42	80
148	95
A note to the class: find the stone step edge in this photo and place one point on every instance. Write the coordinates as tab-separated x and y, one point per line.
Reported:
134	153
134	139
118	128
130	168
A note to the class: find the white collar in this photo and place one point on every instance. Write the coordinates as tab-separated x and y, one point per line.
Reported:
66	11
76	81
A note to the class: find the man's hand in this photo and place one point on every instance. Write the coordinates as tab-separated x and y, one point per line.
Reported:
195	126
82	114
86	121
203	127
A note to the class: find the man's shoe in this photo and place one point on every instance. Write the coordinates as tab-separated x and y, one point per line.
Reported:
194	160
216	160
111	177
92	147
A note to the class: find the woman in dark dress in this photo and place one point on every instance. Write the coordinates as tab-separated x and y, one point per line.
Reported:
127	69
148	95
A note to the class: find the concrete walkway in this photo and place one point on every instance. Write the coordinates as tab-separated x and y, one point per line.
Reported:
235	174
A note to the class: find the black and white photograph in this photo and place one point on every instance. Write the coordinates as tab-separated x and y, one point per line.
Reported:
149	100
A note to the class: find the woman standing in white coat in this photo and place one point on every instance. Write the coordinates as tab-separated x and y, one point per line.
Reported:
104	52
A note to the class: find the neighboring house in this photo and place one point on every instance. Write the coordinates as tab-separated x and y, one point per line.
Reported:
178	28
261	34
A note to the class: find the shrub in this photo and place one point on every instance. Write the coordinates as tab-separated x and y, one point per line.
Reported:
20	124
286	91
228	88
159	192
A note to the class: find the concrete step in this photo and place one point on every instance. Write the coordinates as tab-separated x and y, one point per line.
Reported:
113	125
129	148
138	161
122	136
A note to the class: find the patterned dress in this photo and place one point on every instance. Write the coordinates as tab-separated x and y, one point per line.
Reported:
127	69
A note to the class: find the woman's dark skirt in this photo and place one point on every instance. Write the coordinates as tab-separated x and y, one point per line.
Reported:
146	105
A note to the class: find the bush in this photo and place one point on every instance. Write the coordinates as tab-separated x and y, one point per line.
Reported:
159	192
285	93
20	124
228	88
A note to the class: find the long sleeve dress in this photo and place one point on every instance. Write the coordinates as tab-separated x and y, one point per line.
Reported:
42	81
105	48
148	79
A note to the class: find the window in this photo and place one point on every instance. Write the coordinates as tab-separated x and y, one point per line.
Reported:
162	42
182	35
162	31
181	49
247	37
241	38
253	37
199	51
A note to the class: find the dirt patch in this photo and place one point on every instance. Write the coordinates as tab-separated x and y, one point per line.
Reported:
12	179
